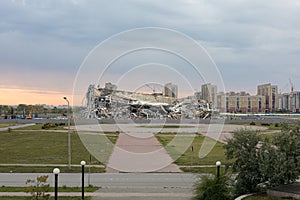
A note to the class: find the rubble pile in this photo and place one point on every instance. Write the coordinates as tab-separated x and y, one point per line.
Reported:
107	103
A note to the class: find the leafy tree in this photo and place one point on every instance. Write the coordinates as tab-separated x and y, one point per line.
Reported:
212	188
270	161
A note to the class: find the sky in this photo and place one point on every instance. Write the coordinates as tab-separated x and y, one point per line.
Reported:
44	45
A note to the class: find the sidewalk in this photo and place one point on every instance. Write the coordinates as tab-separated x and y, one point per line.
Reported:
15	127
48	165
125	193
140	152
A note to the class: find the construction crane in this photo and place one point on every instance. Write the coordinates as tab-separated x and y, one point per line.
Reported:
156	88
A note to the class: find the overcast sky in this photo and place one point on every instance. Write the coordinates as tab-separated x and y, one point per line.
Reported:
43	43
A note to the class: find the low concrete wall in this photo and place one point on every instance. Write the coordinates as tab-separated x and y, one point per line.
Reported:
244	196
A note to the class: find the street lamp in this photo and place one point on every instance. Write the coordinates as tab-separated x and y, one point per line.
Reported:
218	164
56	171
69	135
82	179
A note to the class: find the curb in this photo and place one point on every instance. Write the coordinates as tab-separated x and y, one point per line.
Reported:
244	196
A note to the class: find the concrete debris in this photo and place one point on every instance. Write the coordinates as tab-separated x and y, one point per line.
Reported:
111	103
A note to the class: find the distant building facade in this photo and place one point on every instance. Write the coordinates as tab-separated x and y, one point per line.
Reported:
171	90
198	95
270	92
240	103
289	102
209	93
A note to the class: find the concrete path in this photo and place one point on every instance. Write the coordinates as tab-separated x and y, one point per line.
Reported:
125	194
144	193
140	152
15	127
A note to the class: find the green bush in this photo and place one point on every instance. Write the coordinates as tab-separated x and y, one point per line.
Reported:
252	123
212	188
48	125
265	124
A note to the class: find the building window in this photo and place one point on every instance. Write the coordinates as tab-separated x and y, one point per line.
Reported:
227	104
259	103
249	103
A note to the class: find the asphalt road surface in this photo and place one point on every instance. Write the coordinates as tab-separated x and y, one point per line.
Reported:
113	180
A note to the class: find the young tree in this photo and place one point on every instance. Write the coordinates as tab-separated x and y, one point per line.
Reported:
38	188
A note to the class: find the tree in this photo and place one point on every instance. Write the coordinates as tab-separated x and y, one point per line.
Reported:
271	162
243	148
212	188
38	188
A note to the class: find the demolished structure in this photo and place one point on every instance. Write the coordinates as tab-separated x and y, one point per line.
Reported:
108	102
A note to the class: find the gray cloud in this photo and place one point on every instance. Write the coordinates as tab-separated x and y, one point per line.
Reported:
257	38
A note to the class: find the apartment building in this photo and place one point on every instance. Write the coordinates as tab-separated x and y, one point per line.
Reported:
171	90
240	103
289	102
209	93
270	92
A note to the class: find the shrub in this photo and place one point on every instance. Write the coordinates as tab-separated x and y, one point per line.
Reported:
49	125
252	123
212	188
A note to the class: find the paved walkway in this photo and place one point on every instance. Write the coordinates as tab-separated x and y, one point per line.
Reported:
125	194
140	152
15	127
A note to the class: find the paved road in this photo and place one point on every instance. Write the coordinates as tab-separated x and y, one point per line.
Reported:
263	119
114	180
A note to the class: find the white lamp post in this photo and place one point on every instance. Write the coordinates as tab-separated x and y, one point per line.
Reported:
218	164
56	171
82	179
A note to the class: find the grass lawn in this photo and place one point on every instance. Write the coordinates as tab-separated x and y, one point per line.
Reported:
39	127
188	157
37	147
165	126
31	169
6	125
206	170
40	147
60	189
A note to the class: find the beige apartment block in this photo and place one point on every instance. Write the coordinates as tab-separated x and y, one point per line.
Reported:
270	92
209	93
241	103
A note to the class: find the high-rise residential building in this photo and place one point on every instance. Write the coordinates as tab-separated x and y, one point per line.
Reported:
240	103
171	90
209	93
289	102
270	92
